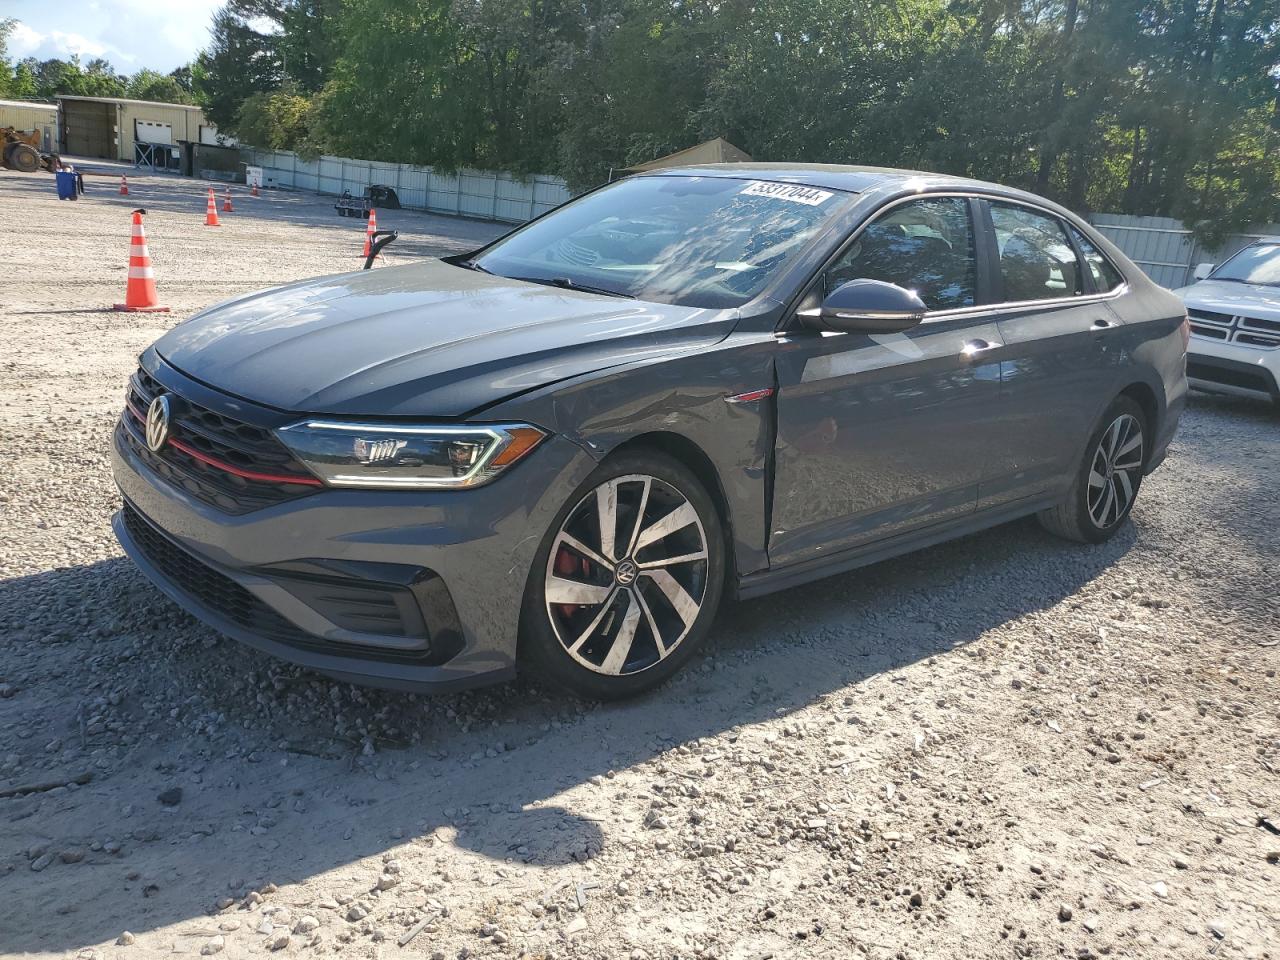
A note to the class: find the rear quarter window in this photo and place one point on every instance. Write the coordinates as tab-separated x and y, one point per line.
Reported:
1105	276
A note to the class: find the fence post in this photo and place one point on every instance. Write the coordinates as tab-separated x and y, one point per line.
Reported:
493	210
1193	254
533	198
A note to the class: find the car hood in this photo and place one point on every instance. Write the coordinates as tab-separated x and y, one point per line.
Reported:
428	339
1220	296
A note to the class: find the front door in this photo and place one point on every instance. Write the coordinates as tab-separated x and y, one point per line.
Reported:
881	434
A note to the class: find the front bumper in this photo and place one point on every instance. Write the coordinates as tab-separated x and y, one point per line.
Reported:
410	590
1232	368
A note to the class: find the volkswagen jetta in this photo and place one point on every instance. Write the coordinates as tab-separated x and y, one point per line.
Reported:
565	448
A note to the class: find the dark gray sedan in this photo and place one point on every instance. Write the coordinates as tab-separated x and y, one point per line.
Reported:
563	449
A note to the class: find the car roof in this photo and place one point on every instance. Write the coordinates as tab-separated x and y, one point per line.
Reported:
849	178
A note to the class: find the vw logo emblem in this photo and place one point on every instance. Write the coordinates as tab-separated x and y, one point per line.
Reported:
158	423
626	573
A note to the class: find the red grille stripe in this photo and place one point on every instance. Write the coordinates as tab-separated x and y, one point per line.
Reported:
232	468
247	474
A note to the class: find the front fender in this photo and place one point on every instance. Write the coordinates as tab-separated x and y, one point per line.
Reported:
684	397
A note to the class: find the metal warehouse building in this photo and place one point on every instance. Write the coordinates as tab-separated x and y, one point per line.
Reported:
114	128
29	115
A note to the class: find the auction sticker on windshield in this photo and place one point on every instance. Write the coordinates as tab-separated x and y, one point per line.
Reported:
791	192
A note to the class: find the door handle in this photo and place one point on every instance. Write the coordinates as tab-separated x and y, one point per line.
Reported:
1102	323
975	348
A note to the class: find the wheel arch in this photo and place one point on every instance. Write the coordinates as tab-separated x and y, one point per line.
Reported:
681	448
1144	396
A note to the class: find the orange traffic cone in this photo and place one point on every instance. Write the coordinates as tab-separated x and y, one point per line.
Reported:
226	201
140	292
254	191
211	212
124	186
369	231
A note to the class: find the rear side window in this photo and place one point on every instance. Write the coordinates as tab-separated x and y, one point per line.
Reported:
1037	261
924	245
1105	277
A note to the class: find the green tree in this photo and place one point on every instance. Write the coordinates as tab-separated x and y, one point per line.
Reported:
280	120
23	86
6	69
239	62
152	85
49	78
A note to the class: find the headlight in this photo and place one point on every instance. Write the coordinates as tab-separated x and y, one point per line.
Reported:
408	457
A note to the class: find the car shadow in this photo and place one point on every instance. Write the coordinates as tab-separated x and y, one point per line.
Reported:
283	799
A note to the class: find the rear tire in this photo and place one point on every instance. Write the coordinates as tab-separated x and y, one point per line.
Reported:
23	157
1107	480
613	613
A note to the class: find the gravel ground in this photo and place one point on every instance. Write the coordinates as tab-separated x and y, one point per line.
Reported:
1007	746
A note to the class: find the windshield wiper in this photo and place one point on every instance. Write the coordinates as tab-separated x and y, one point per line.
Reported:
565	283
471	265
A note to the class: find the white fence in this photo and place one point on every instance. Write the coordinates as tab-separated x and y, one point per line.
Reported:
485	195
1165	249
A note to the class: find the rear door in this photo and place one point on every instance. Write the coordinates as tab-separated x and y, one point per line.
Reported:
880	434
1060	357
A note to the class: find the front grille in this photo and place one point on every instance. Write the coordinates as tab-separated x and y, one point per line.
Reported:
1210	316
1257	323
1251	331
207	449
1213	333
223	595
1258	340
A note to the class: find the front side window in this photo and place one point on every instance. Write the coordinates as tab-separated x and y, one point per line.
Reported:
1258	263
1105	277
693	241
1036	259
925	246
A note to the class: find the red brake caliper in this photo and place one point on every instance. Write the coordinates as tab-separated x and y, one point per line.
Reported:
567	563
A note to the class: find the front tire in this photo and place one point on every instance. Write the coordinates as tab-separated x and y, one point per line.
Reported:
1106	482
627	581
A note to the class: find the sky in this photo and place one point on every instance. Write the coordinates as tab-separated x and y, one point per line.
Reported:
131	34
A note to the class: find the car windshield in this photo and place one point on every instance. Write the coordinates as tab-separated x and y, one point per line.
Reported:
1259	263
693	241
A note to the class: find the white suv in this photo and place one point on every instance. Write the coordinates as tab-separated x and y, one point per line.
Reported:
1235	323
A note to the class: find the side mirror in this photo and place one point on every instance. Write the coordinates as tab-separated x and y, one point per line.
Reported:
867	306
1203	270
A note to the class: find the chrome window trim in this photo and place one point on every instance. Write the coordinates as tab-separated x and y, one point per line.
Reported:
1007	306
979	309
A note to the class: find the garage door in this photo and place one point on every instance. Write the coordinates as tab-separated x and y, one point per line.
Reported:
148	131
88	129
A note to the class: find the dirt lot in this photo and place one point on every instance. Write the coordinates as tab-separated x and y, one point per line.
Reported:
1004	747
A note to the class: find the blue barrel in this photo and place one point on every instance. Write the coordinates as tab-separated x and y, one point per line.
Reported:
66	184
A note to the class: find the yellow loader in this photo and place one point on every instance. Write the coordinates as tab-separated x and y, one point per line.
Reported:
20	150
